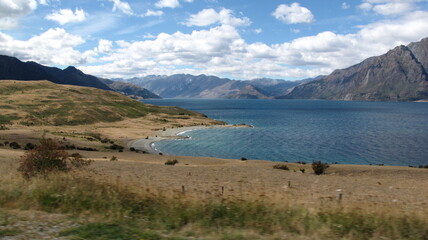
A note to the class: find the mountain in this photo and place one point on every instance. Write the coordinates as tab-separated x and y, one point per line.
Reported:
398	75
274	87
129	89
202	86
13	68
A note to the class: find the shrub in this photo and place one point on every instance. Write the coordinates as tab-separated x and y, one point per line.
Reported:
113	158
281	166
243	159
116	147
29	146
132	149
14	145
302	170
319	167
171	162
46	158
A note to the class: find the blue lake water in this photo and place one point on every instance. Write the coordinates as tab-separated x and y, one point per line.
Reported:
306	130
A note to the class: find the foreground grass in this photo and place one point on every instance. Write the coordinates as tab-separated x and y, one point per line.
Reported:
122	212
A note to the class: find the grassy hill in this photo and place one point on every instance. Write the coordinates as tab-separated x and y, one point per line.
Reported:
47	103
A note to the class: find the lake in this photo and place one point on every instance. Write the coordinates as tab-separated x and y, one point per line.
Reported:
387	133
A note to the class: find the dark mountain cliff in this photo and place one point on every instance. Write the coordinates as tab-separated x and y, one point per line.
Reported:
399	75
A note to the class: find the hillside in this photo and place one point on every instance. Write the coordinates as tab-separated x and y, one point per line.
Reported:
399	75
129	89
46	103
13	68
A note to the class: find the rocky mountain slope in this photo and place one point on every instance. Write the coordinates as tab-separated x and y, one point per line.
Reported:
399	75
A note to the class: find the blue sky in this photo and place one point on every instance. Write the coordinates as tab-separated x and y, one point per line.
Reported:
239	39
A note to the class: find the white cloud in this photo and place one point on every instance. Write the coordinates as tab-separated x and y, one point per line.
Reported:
209	16
258	30
53	47
167	4
43	2
393	8
365	6
389	7
345	5
149	36
293	13
12	10
104	46
150	13
64	16
221	50
122	6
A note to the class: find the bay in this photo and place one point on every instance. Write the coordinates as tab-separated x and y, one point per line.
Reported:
342	132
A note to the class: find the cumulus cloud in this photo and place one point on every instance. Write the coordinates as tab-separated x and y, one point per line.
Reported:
64	16
167	4
293	13
122	6
221	50
170	3
11	11
388	7
345	5
104	46
209	16
150	13
53	47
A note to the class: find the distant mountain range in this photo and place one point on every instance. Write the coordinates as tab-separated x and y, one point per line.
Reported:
399	75
13	69
202	86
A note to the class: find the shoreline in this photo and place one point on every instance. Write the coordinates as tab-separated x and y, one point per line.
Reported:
147	144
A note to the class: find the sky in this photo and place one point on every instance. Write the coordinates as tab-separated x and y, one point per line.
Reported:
238	39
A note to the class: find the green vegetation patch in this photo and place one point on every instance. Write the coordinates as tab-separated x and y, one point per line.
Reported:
104	231
7	119
9	232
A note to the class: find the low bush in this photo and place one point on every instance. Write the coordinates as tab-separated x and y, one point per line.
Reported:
48	157
319	167
281	166
171	162
29	146
113	158
243	159
116	147
14	145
